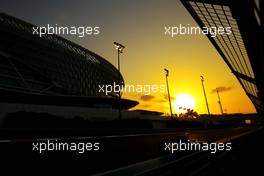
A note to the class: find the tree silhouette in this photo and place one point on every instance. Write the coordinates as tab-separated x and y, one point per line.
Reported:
190	113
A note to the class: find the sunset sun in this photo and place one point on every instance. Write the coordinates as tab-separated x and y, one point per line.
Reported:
183	102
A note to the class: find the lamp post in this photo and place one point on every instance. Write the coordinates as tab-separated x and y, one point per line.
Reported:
166	75
202	80
119	47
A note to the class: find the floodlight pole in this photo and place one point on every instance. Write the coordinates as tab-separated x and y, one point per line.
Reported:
166	75
202	80
219	101
119	48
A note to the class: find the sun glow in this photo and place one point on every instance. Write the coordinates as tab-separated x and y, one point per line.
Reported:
183	102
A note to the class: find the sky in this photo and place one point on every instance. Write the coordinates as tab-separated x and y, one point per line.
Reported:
139	26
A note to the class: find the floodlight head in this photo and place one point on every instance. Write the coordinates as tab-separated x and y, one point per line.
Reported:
119	47
166	72
202	78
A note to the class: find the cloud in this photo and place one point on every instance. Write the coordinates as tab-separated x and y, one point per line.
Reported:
166	97
147	97
222	89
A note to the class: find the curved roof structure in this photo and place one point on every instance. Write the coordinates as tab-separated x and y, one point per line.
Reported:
51	65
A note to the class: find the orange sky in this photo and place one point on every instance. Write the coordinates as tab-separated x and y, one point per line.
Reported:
148	51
